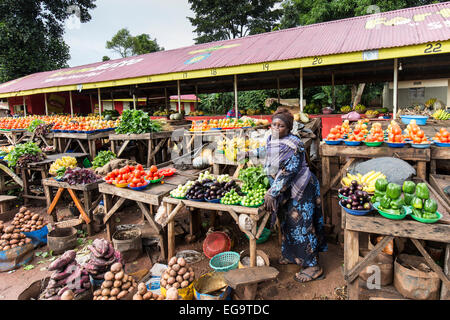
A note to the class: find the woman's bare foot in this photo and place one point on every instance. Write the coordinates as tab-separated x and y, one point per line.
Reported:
309	274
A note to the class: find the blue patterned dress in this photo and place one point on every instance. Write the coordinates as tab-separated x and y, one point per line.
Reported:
301	221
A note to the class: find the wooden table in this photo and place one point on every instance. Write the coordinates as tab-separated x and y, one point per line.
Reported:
42	167
88	194
153	148
152	196
175	205
438	153
15	136
63	141
407	228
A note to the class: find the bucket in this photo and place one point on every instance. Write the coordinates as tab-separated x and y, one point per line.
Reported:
62	239
129	243
204	283
185	293
14	258
413	283
261	256
384	262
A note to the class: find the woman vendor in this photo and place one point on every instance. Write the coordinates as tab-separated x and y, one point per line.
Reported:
294	196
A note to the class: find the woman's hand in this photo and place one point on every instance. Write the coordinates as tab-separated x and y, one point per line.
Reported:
269	202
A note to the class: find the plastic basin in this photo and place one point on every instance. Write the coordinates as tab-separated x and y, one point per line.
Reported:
420	120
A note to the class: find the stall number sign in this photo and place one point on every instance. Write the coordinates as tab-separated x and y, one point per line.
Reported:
370	55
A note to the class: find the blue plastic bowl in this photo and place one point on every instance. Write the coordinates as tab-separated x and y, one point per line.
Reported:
420	120
213	201
352	143
395	144
356	212
442	144
420	145
330	142
140	188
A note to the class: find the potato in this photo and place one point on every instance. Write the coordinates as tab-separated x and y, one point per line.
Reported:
176	285
166	276
125	278
14	246
105	298
122	294
182	271
126	285
171	280
148	296
112	298
22	210
176	267
142	289
6	248
190	269
67	295
181	262
116	267
184	284
14	241
172	261
160	297
137	296
21	220
191	279
27	240
35	217
172	273
163	283
117	284
119	275
106	292
97	292
130	289
115	292
107	284
179	279
16	236
9	229
186	276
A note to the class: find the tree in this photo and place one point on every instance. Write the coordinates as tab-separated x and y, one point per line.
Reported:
106	58
230	19
127	45
31	34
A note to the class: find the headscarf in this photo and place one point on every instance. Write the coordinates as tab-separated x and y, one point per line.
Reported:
284	115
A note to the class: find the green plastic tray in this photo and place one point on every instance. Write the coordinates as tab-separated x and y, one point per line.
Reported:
404	209
427	220
178	197
255	206
374	144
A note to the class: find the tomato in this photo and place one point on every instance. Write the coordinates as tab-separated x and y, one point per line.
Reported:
331	137
138	174
396	130
140	185
122	182
417	140
398	138
123	170
132	185
139	167
420	133
153	169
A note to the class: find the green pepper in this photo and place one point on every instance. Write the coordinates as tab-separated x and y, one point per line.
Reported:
397	203
379	194
381	184
407	198
422	191
393	190
385	202
417	203
417	212
409	187
392	211
374	199
430	206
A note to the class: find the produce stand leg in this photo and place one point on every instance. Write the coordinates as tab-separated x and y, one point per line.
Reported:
87	207
422	169
53	204
67	145
445	292
79	206
351	257
216	169
113	146
92	149
252	248
170	234
109	224
24	174
326	180
48	196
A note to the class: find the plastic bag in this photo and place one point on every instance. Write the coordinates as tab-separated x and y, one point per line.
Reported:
161	216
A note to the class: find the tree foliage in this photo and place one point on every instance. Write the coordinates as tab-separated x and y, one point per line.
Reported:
127	45
230	19
31	34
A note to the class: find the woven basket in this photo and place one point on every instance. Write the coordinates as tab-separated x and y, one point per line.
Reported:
225	261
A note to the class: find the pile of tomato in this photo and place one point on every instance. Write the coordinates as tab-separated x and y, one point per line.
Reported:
336	133
416	134
153	174
395	134
167	172
133	175
356	137
442	136
376	134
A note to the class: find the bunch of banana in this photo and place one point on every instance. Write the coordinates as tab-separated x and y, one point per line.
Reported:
430	102
67	162
367	180
441	115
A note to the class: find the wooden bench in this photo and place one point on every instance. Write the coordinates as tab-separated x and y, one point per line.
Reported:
4	202
245	281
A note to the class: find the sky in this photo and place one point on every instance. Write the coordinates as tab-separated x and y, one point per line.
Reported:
165	20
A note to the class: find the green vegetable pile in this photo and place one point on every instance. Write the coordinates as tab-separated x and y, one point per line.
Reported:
422	205
102	158
60	173
388	194
29	148
33	125
137	121
231	197
253	178
253	198
3	154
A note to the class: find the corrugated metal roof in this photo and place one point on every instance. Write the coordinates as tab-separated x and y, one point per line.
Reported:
398	28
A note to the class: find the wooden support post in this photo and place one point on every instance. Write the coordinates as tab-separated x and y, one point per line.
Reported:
109	224
422	169
87	196
79	206
326	180
351	257
170	234
445	291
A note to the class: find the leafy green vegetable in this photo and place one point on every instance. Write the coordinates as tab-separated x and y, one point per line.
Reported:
254	177
20	150
28	267
34	124
102	158
137	121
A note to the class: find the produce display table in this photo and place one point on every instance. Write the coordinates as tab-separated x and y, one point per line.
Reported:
439	182
15	136
175	205
153	147
8	179
86	189
63	141
152	195
411	229
42	167
329	179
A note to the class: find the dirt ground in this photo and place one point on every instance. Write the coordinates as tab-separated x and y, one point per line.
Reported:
283	288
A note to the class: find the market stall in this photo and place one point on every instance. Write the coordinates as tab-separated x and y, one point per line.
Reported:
86	141
15	136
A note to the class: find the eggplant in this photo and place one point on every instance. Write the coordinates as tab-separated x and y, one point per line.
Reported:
348	206
366	206
360	207
358	193
354	198
354	183
354	208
